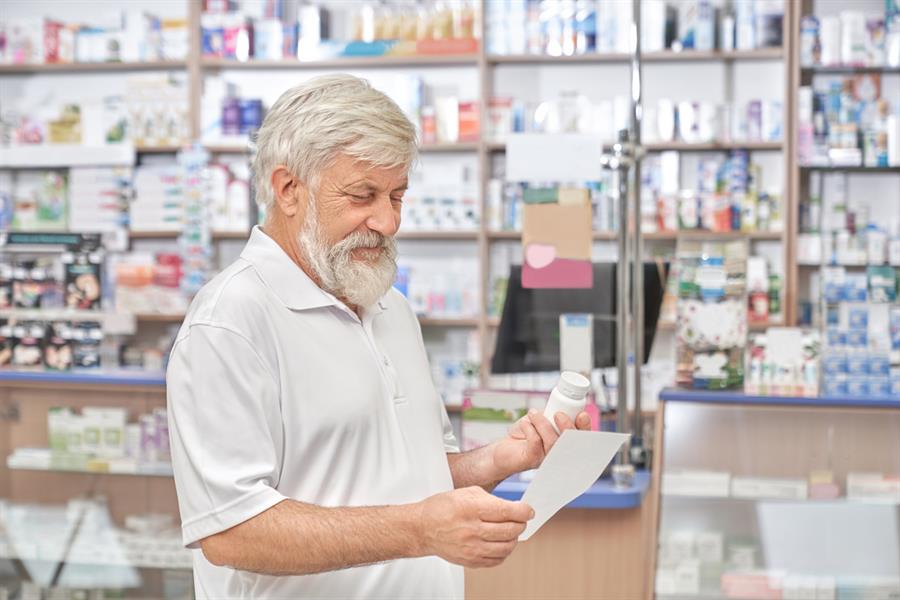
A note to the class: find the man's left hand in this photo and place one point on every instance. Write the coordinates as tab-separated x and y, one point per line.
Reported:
530	439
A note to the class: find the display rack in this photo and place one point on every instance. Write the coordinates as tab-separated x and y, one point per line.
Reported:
197	67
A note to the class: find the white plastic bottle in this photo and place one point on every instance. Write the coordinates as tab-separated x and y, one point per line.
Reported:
567	397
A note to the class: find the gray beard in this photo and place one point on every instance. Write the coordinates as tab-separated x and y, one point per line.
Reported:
357	282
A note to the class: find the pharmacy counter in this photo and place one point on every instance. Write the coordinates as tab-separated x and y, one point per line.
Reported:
602	495
722	397
134	378
764	490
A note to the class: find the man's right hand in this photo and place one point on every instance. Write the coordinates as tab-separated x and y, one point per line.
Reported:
472	528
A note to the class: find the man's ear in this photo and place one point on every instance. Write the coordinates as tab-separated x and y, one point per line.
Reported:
289	192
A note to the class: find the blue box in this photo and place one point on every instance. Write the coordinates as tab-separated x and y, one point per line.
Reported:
835	364
857	287
858	317
835	338
857	386
879	386
879	365
836	386
857	338
857	364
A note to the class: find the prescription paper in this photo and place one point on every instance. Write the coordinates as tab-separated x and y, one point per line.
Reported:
573	465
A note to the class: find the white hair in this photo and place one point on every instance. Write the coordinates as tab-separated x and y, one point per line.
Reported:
314	122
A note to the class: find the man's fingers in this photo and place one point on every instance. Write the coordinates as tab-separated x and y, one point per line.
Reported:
563	421
499	550
517	432
501	511
583	421
545	430
502	532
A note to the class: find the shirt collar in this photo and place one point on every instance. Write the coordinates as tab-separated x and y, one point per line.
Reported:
286	279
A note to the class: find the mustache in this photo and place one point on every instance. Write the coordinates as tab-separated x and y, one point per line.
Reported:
362	239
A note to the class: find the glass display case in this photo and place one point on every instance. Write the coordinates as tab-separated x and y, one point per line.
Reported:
766	497
87	500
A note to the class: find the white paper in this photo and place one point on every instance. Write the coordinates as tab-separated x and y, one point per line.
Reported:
575	462
565	157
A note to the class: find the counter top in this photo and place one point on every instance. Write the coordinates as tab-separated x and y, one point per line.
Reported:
602	495
97	377
731	397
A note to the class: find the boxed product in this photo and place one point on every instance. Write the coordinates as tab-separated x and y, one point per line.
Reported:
769	487
696	483
39	201
873	487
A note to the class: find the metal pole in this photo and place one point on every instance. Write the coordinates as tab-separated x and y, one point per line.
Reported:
622	281
637	302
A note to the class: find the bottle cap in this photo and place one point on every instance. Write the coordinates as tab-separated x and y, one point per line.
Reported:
573	385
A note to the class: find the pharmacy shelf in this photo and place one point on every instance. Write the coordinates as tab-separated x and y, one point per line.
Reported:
111	323
731	397
685	146
850	169
41	156
732	500
348	62
163	235
148	470
170	149
122	377
448	322
98	67
663	235
535	59
848	70
604	494
713	146
715	55
663	56
438	235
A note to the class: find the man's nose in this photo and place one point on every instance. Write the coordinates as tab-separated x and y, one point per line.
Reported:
384	217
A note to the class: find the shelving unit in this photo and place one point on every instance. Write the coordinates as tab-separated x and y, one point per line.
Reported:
798	176
197	67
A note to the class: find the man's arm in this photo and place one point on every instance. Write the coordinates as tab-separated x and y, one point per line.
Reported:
467	527
528	442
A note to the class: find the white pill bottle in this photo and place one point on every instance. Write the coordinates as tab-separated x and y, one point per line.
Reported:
569	396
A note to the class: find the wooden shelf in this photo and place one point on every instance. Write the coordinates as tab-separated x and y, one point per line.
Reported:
345	62
712	146
714	55
846	70
683	146
448	322
619	58
437	235
91	67
450	147
662	235
168	235
534	59
159	318
853	169
158	149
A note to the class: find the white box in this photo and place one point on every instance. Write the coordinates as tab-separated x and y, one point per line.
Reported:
761	487
697	483
710	546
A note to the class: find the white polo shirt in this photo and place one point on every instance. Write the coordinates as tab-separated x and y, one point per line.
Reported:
277	390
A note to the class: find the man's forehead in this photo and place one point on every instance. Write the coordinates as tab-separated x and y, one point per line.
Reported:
349	171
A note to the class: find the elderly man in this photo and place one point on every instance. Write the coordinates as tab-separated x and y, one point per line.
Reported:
313	457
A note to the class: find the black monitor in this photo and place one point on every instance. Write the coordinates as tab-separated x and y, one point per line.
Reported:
528	336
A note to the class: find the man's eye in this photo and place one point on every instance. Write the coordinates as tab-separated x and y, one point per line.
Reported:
397	199
365	198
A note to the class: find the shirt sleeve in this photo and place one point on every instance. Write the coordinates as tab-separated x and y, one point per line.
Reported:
225	430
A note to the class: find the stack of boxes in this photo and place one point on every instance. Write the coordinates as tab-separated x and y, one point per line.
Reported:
862	321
